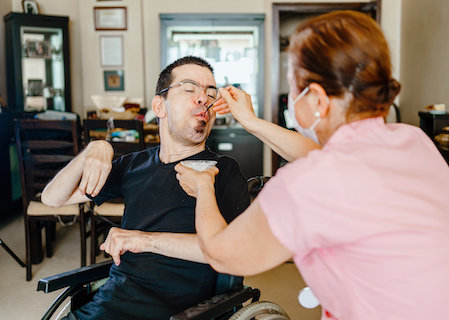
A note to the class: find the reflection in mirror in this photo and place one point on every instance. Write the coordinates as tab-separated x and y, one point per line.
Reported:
42	68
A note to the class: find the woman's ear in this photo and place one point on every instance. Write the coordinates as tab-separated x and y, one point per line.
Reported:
158	105
322	99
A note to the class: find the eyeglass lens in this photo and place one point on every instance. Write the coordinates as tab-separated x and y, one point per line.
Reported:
195	89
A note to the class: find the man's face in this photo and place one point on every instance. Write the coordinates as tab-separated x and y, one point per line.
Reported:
187	120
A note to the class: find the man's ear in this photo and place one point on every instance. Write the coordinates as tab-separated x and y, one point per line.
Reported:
322	99
158	105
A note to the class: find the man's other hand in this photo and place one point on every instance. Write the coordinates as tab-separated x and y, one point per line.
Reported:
121	240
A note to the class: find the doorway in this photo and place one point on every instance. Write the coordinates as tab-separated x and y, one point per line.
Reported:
285	19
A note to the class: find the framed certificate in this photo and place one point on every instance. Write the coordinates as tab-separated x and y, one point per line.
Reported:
111	51
110	18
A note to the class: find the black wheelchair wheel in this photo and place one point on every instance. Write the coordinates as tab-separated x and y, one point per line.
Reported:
261	310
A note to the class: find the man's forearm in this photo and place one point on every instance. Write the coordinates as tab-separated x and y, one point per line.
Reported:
63	186
176	245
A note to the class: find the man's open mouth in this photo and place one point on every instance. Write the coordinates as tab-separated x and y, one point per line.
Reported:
203	115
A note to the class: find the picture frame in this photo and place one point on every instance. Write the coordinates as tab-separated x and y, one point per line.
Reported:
110	18
114	80
35	87
30	7
111	51
38	49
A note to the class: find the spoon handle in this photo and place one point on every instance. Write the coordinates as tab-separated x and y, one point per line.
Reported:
207	109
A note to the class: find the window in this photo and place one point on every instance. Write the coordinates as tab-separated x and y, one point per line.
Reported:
231	43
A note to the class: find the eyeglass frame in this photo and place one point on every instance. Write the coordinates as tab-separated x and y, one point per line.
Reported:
192	82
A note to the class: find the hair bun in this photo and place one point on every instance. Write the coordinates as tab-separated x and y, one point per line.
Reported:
393	89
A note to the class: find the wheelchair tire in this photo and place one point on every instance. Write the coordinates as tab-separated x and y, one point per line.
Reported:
65	311
261	310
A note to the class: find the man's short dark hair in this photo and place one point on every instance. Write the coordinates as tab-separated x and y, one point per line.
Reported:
166	76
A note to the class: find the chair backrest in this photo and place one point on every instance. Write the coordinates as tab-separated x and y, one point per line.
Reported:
95	129
44	147
255	184
394	114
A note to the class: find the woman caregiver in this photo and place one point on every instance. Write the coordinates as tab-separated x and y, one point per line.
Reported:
366	217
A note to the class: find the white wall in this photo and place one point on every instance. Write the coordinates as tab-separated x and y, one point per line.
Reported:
133	64
424	56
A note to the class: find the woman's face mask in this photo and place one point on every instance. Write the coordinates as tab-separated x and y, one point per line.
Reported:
306	132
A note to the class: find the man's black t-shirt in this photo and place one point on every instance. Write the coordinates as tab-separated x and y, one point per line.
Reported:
152	286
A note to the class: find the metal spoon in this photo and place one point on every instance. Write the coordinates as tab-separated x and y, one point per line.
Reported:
207	109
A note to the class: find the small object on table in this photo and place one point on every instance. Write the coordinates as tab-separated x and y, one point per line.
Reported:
443	138
436	108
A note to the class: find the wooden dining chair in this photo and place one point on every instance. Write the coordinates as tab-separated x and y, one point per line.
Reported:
44	147
110	214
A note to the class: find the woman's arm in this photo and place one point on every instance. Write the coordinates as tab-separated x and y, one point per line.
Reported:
246	246
289	144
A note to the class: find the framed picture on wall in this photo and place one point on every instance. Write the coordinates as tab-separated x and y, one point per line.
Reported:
38	49
30	7
111	51
113	80
110	18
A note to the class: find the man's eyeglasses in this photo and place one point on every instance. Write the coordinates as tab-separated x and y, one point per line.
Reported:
194	89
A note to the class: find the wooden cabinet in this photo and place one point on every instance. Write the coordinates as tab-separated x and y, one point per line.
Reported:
433	124
37	62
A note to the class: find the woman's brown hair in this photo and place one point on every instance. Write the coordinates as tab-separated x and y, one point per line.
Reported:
345	51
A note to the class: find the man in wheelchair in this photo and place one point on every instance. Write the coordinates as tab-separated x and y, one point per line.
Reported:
159	269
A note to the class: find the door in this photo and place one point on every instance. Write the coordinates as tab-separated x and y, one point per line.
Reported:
285	19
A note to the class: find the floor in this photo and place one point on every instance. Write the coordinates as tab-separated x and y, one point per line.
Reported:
20	299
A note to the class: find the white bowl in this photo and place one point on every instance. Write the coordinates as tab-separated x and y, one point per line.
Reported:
199	165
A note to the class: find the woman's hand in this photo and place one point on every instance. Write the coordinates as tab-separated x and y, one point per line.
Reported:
193	181
236	101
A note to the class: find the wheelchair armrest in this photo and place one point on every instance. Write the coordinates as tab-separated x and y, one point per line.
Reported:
75	277
218	304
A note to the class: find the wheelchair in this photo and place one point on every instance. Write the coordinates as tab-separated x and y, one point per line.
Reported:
232	300
227	304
